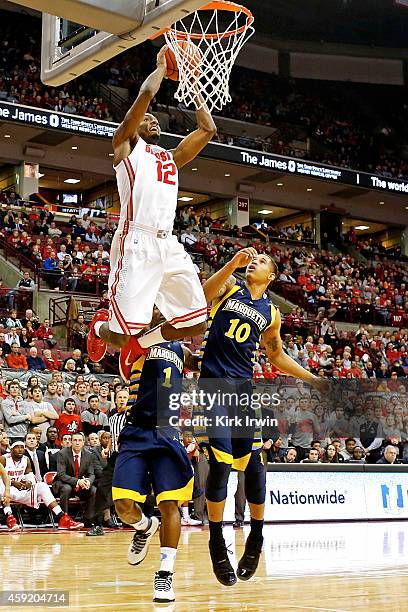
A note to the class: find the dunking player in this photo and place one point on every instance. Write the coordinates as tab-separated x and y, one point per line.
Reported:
148	265
240	315
152	457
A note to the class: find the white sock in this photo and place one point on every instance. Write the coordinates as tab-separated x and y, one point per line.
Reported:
142	524
97	327
7	510
184	512
167	558
57	510
154	336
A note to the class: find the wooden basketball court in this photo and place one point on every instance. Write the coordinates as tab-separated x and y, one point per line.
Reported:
323	567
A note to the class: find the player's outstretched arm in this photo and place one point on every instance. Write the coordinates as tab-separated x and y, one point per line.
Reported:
192	144
127	130
222	281
277	356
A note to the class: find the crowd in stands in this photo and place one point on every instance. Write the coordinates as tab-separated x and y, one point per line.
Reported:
74	256
336	121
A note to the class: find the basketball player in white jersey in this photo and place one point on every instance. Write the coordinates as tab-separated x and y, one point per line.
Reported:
148	264
25	490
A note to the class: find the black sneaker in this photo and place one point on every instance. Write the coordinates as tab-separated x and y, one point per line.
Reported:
96	530
163	587
249	561
140	543
238	524
223	570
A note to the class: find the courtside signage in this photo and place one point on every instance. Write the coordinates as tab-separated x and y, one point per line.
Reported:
38	117
325	496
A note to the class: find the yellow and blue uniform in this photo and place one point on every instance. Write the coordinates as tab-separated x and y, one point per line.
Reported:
235	326
151	457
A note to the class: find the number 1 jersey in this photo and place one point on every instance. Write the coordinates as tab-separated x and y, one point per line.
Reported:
148	186
234	329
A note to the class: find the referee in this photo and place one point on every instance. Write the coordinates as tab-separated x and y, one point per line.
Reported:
103	497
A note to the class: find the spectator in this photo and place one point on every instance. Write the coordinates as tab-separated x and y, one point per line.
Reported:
80	331
305	428
24	284
18	414
290	455
12	322
330	454
15	360
358	455
312	456
390	455
93	420
4	345
45	332
51	362
34	361
347	452
68	422
43	409
81	397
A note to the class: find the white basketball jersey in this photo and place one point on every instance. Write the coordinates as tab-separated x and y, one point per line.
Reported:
148	186
16	469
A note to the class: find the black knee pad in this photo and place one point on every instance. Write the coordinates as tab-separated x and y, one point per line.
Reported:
255	480
216	488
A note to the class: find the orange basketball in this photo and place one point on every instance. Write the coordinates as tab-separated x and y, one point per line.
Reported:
192	57
172	70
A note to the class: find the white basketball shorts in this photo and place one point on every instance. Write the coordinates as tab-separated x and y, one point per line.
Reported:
146	270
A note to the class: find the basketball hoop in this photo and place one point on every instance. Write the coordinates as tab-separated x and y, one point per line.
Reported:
206	45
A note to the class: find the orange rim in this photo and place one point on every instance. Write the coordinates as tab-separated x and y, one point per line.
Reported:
216	5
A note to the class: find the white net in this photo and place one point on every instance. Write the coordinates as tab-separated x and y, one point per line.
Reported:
206	45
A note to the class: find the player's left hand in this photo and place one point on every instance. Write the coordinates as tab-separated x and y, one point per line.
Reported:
244	257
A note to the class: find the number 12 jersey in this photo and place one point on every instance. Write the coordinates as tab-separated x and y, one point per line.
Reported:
148	186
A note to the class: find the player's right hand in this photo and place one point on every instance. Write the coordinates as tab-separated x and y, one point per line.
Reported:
161	57
244	257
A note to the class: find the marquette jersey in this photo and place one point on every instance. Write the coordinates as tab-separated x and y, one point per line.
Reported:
148	186
234	329
16	469
153	379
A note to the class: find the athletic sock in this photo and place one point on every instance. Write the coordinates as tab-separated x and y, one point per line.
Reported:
142	524
7	510
154	336
184	512
216	532
57	510
167	558
256	530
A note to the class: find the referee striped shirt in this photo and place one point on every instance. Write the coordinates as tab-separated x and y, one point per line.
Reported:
116	424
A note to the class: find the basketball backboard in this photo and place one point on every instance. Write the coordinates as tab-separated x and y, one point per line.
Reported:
85	33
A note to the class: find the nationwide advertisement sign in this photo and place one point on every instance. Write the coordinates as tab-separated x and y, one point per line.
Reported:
74	124
329	496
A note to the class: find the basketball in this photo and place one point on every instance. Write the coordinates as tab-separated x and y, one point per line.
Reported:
191	55
172	69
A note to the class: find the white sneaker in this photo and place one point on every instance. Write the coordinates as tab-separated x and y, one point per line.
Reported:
189	522
140	543
163	587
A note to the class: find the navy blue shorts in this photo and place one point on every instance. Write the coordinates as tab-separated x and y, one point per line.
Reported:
152	460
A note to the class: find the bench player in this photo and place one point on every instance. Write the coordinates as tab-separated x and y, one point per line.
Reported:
152	457
148	264
25	490
241	314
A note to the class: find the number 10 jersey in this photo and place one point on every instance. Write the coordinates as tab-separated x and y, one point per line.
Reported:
235	326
